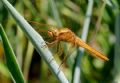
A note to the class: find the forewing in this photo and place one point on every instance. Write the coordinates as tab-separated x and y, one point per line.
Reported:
42	29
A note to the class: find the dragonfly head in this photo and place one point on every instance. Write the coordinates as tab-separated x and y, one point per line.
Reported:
53	32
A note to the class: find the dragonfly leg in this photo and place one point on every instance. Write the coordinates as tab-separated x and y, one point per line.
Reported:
70	51
59	49
51	43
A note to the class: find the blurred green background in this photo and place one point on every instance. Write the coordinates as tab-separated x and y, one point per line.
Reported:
103	34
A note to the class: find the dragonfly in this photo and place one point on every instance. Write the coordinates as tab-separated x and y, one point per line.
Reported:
65	34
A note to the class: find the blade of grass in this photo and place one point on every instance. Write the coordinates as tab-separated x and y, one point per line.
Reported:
117	50
76	78
11	60
27	60
98	23
20	36
110	3
55	12
37	41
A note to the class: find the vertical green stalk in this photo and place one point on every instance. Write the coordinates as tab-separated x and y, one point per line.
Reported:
117	50
76	77
27	60
11	60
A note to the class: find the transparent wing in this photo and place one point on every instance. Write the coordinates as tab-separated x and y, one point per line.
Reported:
42	29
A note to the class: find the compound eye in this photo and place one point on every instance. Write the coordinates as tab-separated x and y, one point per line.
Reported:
50	33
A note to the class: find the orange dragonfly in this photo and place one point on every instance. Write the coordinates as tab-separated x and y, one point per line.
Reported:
66	35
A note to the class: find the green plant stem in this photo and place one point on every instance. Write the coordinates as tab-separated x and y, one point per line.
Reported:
76	78
11	60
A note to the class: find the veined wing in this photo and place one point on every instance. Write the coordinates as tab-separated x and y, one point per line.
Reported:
43	29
